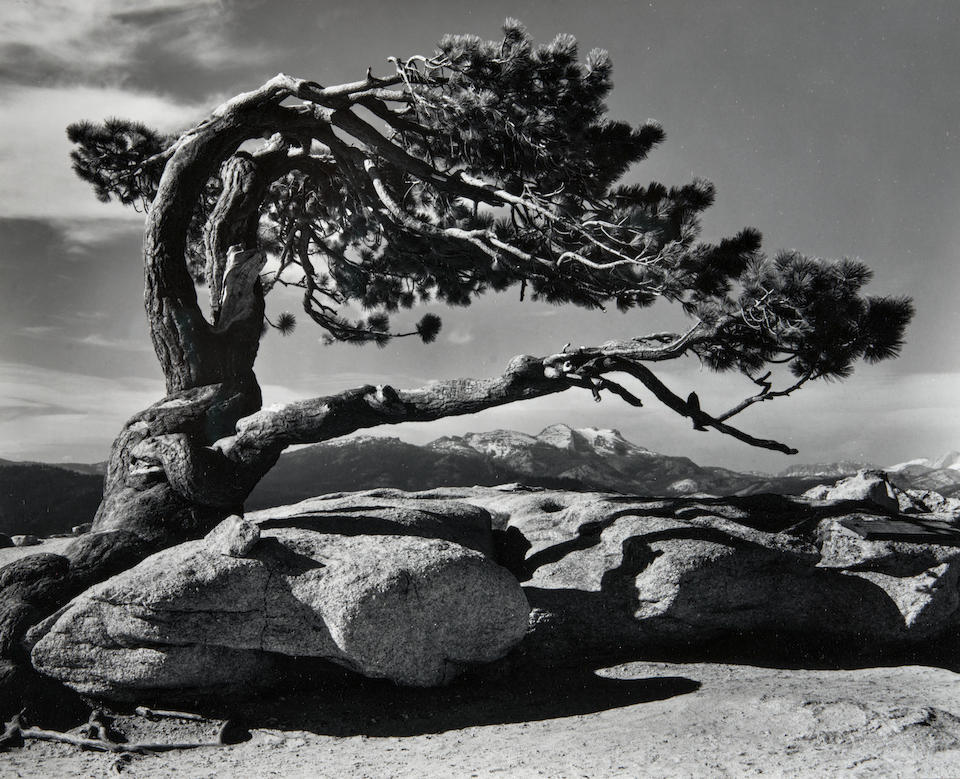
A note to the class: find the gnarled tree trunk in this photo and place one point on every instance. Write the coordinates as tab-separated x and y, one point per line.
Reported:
164	482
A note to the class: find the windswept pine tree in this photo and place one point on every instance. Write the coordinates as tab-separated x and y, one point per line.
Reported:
485	167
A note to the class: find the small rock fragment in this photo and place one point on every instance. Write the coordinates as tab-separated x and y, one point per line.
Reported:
233	537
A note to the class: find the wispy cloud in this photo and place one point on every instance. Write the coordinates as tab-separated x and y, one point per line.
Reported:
459	337
13	408
81	236
100	40
39	331
37	180
91	316
59	415
63	335
106	342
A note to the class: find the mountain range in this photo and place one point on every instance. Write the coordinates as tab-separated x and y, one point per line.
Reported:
559	456
42	498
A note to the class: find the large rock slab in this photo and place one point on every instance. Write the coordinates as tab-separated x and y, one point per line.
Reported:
933	502
402	585
386	512
411	609
921	578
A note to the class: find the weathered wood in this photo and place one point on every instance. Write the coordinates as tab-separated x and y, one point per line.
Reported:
911	531
139	495
526	377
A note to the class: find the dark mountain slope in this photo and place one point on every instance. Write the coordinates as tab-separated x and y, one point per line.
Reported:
43	499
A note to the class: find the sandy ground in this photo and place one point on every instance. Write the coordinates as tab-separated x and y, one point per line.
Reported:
634	719
53	545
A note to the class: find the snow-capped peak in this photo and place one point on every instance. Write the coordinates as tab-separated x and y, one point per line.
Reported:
950	460
925	462
602	441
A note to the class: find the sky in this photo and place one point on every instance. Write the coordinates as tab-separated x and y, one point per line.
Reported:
832	127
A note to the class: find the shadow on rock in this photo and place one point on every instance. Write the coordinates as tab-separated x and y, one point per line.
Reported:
572	627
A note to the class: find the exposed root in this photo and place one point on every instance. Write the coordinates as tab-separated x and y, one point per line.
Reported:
12	737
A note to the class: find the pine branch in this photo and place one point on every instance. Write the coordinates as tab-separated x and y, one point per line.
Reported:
99	737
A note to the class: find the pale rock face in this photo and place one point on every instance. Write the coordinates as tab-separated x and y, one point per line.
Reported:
922	461
841	547
927	601
819	492
499	443
909	504
683	487
234	537
560	437
949	460
609	441
920	578
934	502
866	485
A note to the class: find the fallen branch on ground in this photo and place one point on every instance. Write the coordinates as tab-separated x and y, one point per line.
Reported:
100	738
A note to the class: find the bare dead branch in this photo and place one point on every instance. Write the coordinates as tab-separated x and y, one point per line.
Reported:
99	738
699	417
765	394
143	711
366	133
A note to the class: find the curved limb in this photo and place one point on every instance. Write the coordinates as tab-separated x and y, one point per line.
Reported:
526	377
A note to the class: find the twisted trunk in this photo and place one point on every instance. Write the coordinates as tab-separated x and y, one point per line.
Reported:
164	483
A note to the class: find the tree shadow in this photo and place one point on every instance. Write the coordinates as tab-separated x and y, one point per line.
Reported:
763	512
808	651
330	701
364	520
779	610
